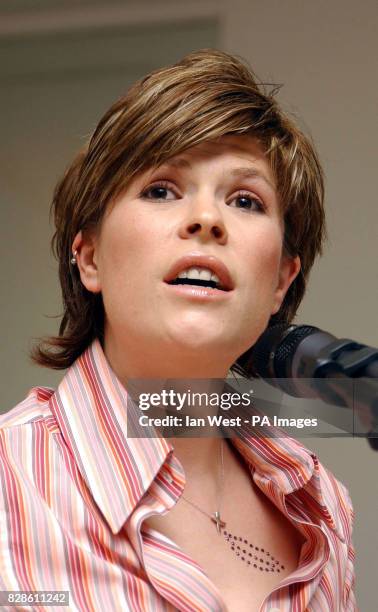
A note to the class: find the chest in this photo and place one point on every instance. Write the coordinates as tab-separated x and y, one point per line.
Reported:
255	551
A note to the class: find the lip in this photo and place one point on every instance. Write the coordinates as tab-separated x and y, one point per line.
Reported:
202	261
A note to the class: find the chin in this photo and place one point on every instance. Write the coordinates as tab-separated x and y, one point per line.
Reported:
210	339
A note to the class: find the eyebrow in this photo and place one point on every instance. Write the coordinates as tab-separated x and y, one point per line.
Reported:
249	172
177	162
243	172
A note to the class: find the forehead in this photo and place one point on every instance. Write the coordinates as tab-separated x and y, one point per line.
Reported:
242	155
230	144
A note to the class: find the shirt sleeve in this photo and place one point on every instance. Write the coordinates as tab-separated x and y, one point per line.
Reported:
350	604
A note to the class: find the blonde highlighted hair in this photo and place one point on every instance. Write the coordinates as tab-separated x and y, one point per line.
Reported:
206	95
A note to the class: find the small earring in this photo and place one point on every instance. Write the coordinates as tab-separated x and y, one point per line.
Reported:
73	259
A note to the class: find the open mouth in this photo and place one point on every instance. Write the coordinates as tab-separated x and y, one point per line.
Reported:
197	282
202	271
198	277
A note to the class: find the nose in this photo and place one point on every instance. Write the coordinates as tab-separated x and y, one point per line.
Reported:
204	220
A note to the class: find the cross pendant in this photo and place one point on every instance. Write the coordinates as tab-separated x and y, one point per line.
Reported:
217	519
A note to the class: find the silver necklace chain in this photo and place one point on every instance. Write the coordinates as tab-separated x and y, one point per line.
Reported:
215	517
256	557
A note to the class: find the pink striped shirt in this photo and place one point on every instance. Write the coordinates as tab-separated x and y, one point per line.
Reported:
75	491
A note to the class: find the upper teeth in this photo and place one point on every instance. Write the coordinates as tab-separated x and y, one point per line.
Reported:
199	273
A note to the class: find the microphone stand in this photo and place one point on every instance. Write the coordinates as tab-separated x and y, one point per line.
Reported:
344	359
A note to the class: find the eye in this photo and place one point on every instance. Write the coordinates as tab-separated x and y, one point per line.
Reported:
247	201
159	191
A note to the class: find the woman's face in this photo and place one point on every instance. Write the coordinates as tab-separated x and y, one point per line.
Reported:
212	210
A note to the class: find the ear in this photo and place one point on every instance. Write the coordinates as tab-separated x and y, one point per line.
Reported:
289	269
85	245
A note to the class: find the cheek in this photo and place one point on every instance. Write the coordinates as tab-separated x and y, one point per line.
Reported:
127	243
261	281
263	257
128	252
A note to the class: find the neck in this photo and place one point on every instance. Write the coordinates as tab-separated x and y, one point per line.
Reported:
165	362
200	457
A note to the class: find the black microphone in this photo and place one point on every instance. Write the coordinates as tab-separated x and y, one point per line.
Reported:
304	351
294	358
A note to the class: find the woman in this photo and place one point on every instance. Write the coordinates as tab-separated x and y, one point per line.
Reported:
187	225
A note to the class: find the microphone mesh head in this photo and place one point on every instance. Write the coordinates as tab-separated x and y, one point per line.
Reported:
287	347
271	353
263	348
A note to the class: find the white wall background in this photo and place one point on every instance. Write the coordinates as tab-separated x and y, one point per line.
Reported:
65	61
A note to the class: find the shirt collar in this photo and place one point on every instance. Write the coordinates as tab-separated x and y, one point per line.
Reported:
293	469
90	406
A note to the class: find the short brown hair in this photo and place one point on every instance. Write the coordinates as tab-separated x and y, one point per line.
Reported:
206	95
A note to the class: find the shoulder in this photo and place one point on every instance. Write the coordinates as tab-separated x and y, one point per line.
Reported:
18	427
33	407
